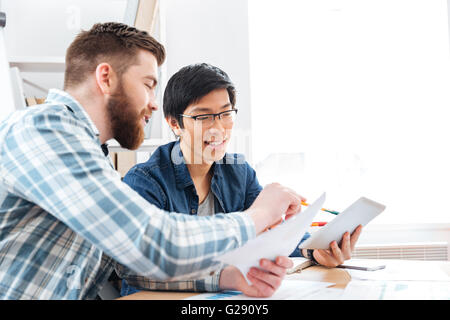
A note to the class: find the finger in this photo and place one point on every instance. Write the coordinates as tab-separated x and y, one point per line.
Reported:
294	208
324	257
276	223
301	199
354	237
267	278
296	202
345	246
324	254
260	288
337	253
284	262
321	256
271	267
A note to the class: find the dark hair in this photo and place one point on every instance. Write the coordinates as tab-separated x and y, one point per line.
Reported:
190	84
111	42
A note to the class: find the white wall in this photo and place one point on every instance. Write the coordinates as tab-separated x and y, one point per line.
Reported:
7	103
216	32
47	27
212	31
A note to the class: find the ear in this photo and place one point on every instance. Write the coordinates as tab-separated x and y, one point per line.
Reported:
174	125
105	78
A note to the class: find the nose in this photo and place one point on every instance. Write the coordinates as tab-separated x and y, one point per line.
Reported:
152	105
217	125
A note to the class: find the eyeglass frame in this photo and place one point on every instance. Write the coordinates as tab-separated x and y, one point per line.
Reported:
219	115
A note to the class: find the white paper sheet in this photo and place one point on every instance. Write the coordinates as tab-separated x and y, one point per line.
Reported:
403	270
396	290
289	290
280	241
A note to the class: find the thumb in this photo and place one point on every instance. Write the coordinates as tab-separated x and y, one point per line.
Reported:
294	208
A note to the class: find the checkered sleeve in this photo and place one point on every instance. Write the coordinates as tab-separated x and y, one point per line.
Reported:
53	160
209	283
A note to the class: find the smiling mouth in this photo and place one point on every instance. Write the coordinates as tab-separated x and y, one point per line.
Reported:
215	144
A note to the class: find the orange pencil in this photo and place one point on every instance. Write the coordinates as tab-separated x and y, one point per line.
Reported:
318	224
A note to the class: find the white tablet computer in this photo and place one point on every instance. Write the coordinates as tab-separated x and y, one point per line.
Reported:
360	212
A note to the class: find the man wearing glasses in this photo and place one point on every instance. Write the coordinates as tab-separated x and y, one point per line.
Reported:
194	175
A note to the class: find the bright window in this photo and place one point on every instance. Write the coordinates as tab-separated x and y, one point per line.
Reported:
352	98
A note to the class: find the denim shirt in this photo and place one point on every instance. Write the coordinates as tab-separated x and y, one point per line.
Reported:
164	180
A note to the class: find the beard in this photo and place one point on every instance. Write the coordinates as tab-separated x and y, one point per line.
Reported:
125	120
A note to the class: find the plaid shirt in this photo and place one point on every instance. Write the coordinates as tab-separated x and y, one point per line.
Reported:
66	217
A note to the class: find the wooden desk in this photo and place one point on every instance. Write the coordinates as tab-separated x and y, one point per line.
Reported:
316	273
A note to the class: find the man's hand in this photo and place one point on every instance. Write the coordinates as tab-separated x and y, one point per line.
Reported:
265	280
272	203
336	256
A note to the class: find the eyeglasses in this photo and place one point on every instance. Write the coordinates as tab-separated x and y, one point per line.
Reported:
207	120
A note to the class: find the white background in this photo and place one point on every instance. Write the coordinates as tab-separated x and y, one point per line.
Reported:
354	96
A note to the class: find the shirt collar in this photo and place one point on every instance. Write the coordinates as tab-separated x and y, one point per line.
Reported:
182	176
56	96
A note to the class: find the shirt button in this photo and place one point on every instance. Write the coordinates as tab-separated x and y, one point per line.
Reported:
193	211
